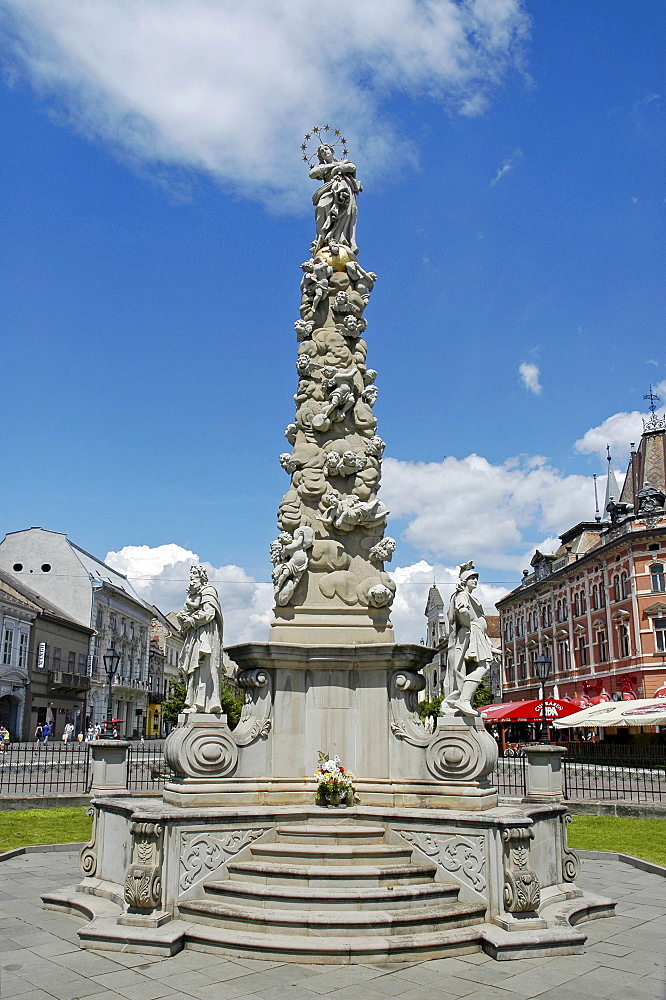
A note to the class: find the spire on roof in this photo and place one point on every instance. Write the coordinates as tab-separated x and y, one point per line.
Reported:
612	489
653	423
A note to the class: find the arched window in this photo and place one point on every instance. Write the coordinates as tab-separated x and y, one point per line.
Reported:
616	587
576	604
602	594
658	577
625	584
624	640
595	597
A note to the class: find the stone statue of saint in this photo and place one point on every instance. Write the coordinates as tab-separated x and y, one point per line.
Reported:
201	658
469	650
335	201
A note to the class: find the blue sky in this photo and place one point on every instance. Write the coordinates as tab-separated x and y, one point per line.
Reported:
155	212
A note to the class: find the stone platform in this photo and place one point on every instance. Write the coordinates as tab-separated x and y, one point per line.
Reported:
326	885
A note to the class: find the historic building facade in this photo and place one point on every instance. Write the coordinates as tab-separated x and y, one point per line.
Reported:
165	645
101	600
597	606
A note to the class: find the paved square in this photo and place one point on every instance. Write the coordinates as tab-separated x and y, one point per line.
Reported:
625	956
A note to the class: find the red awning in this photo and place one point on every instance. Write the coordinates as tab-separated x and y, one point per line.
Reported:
527	711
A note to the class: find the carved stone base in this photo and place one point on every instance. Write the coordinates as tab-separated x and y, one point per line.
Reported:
202	752
506	867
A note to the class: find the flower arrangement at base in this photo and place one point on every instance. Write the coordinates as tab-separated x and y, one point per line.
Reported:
335	785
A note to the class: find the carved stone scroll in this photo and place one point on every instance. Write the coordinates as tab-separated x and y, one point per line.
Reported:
143	881
255	721
88	855
570	861
202	854
522	892
460	856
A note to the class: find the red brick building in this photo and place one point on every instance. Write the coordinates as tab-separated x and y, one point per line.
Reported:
597	606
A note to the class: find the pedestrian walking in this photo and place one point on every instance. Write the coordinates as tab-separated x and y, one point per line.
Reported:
46	731
39	734
4	737
67	732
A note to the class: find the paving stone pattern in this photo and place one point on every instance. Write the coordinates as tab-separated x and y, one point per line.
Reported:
40	958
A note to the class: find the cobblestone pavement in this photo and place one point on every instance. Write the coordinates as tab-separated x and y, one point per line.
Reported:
40	958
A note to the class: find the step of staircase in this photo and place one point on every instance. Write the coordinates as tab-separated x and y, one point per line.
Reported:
335	950
323	874
333	854
331	893
345	897
416	920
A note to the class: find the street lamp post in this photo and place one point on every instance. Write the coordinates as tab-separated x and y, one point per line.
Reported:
111	661
542	665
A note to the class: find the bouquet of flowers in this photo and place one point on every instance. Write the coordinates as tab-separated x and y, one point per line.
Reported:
335	785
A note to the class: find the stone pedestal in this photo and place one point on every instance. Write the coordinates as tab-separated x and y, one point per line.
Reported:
544	773
203	753
109	767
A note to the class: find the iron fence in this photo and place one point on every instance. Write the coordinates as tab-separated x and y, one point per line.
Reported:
510	775
146	768
38	768
632	781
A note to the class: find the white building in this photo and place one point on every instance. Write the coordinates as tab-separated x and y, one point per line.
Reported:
97	596
16	620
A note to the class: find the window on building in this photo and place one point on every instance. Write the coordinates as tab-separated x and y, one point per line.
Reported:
602	645
23	650
82	663
581	649
623	631
508	635
132	630
583	602
602	594
71	662
660	634
113	623
124	626
509	670
99	617
624	581
521	667
658	577
617	594
595	597
576	603
7	644
563	655
57	656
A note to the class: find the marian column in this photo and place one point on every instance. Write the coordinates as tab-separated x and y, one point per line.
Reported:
328	559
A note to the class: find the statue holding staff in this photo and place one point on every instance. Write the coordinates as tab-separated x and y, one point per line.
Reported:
469	650
201	657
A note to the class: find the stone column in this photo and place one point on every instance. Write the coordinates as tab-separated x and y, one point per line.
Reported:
544	773
109	767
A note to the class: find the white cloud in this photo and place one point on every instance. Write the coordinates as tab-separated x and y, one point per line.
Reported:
160	575
468	508
229	88
529	376
413	583
508	165
618	431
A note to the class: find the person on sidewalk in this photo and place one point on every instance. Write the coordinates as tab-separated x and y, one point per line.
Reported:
46	731
39	733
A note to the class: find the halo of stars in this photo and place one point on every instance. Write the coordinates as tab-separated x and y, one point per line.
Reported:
323	135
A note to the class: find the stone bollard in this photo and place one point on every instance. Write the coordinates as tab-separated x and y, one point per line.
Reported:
544	773
109	767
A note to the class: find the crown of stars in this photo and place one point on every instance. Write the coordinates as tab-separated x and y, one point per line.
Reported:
324	134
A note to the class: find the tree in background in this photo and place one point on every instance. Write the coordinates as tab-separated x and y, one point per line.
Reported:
232	703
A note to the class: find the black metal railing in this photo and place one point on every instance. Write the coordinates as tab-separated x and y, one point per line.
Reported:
146	768
38	768
633	780
510	776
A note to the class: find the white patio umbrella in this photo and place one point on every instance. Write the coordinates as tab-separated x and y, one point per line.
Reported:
641	712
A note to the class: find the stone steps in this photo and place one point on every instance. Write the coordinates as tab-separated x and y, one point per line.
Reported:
344	897
415	920
323	874
334	854
332	950
331	893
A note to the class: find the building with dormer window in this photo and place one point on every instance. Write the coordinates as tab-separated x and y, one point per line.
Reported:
597	606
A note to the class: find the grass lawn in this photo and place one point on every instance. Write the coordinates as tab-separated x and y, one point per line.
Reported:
43	826
642	838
